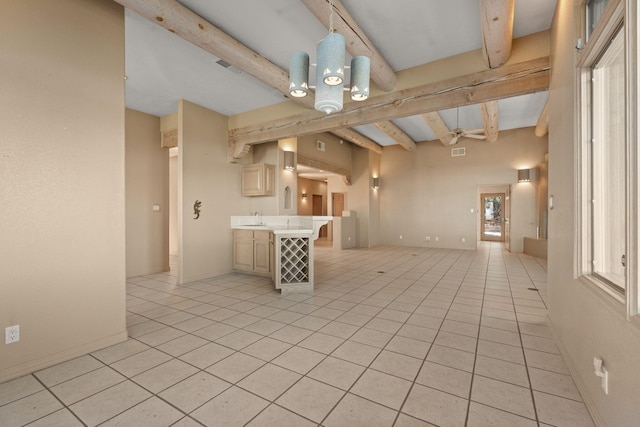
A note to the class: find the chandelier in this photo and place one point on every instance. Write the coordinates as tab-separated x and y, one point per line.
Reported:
329	88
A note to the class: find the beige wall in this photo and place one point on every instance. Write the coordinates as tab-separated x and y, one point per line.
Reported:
204	174
336	184
337	153
62	187
311	187
167	123
586	323
273	153
542	192
427	192
363	199
266	205
287	179
147	184
173	205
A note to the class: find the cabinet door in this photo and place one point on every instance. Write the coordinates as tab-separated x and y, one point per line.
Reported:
253	180
243	254
258	179
269	180
261	259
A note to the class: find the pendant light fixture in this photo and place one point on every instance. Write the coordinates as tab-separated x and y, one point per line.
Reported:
330	56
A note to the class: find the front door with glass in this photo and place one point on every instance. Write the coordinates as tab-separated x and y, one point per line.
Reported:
492	216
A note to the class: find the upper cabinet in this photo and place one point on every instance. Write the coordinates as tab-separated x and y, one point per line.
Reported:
258	179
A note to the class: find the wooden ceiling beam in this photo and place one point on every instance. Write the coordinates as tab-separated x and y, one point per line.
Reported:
438	126
356	41
192	27
169	138
496	21
397	134
512	80
489	112
357	138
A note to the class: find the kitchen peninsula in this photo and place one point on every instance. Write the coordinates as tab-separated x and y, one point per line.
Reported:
277	246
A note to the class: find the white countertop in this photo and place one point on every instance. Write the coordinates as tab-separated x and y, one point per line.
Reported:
276	229
293	224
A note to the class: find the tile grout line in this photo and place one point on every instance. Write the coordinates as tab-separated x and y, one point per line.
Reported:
404	401
363	326
64	406
475	357
399	287
524	356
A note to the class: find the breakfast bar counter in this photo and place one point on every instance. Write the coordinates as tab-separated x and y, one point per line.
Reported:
279	246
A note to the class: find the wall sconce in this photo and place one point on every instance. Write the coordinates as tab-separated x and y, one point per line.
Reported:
524	175
304	197
289	163
376	183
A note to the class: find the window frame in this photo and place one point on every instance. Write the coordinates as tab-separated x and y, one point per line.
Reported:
616	14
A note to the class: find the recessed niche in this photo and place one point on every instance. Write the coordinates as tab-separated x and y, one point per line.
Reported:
287	197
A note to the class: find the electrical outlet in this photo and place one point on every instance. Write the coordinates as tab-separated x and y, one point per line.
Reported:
464	240
600	371
427	238
11	334
436	238
401	237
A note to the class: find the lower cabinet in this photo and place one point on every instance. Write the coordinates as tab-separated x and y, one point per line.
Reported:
261	252
253	251
243	250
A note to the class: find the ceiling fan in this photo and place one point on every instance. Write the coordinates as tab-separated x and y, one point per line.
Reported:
458	133
488	132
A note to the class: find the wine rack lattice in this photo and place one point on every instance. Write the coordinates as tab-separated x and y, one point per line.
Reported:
294	260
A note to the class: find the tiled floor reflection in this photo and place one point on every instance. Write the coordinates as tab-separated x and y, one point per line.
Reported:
392	336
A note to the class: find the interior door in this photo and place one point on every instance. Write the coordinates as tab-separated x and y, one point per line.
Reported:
337	203
492	217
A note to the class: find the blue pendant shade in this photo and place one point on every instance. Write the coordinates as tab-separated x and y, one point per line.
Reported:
330	57
329	88
328	98
360	66
299	75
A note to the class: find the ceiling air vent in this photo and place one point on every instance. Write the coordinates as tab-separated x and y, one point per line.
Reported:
457	152
320	145
228	66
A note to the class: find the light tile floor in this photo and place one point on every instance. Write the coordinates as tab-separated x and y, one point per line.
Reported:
393	336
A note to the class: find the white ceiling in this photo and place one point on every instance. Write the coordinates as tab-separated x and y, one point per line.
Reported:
162	68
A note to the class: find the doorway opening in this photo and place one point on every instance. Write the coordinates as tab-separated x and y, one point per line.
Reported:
492	219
